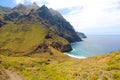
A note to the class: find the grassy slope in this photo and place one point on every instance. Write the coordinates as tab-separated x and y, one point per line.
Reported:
56	38
20	39
60	67
24	38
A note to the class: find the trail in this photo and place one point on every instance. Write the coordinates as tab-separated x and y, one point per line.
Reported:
13	75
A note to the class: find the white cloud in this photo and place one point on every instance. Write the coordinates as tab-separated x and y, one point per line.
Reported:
94	14
19	1
39	2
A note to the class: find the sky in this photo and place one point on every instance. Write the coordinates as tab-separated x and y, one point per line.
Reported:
99	17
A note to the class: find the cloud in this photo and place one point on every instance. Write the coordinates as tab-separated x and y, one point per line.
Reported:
86	14
96	16
19	1
39	2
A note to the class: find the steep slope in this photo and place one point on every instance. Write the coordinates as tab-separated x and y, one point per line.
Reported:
81	35
20	38
32	29
25	39
48	17
59	25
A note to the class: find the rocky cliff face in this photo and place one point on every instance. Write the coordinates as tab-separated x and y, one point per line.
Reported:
59	25
59	46
81	35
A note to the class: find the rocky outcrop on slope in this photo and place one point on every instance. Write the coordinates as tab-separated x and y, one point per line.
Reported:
81	35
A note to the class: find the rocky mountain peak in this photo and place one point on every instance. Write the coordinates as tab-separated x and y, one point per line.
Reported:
43	8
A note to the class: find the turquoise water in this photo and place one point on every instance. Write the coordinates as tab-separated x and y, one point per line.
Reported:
95	45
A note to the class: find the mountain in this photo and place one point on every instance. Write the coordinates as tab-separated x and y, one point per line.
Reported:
48	17
33	29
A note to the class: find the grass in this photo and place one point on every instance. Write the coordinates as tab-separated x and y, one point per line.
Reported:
20	39
58	66
34	67
56	38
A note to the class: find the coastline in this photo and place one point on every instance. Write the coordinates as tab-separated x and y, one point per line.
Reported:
72	56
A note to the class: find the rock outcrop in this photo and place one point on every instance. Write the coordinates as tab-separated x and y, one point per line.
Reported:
59	46
81	35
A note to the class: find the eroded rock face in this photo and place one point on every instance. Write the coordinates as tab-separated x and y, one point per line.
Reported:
81	35
59	46
11	16
57	24
42	48
66	48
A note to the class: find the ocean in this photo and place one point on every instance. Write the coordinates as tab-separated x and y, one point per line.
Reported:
94	46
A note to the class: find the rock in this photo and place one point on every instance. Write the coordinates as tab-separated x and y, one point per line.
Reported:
48	36
59	46
42	48
81	35
66	48
11	16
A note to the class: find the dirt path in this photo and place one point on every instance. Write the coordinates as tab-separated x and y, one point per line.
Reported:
13	75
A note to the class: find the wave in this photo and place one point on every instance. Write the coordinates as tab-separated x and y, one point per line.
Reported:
80	57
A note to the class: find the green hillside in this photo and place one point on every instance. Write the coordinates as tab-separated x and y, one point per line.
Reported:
61	67
20	39
24	39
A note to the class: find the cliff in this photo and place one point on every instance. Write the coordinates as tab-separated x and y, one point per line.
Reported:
81	35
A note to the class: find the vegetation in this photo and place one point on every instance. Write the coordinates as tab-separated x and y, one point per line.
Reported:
61	67
20	39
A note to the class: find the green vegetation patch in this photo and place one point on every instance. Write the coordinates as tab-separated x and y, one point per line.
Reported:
21	38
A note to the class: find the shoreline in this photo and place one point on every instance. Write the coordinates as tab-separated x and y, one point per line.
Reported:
78	57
